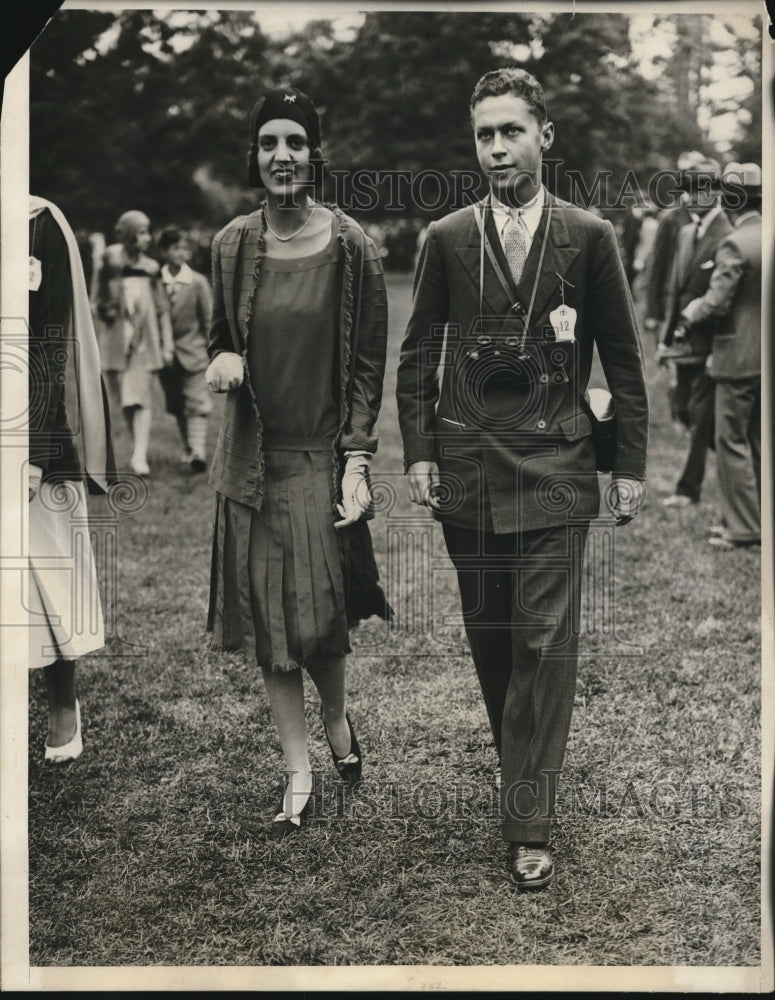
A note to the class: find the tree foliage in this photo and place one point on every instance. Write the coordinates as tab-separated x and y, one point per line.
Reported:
147	111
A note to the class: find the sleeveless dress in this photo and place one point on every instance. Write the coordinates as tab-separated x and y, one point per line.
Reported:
278	572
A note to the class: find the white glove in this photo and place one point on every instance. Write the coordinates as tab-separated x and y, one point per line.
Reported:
34	474
225	372
355	490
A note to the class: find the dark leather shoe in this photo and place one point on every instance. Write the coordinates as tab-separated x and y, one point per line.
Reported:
350	767
531	866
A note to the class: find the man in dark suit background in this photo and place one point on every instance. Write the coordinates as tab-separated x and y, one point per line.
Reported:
671	220
733	298
688	349
512	294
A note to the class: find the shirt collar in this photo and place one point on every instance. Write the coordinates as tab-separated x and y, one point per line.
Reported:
746	215
183	277
530	213
705	221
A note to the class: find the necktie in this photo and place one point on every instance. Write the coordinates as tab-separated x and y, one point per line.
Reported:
515	245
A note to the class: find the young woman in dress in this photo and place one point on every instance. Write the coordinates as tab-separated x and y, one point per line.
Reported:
137	335
297	341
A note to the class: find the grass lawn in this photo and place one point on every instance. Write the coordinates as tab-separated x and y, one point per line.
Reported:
152	848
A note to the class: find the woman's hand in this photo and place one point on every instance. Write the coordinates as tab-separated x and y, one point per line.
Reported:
355	490
225	372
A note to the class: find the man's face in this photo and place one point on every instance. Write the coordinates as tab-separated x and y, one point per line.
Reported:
509	145
702	197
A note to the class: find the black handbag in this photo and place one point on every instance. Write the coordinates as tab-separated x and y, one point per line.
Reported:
364	596
598	404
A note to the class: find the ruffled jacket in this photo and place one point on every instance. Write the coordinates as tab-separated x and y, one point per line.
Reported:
237	470
150	319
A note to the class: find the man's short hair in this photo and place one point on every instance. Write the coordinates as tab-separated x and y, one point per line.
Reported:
518	82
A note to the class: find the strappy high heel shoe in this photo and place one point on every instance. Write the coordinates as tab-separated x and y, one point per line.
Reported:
283	823
68	751
350	767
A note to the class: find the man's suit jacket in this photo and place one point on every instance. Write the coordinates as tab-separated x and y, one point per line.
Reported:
692	268
511	439
734	298
662	255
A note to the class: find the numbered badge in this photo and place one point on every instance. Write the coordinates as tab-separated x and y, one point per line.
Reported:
36	274
563	320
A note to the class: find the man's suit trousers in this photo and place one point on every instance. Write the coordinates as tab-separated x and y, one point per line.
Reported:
738	453
698	388
521	598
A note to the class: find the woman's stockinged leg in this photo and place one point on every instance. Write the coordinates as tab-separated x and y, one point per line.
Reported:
328	675
285	690
60	688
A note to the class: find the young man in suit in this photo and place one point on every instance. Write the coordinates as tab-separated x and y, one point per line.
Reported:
733	299
522	285
689	348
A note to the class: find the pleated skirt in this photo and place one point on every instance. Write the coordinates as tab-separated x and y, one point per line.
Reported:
63	599
276	585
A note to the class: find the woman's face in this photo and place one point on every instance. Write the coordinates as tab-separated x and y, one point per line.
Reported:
283	156
143	237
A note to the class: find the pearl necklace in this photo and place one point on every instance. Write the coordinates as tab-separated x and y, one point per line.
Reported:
287	239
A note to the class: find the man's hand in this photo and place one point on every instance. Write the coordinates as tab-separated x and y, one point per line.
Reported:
424	480
355	491
651	323
625	497
225	372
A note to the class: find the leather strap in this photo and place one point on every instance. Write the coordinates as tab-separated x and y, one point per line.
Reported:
484	245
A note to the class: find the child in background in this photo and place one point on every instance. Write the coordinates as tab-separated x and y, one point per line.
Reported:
187	394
